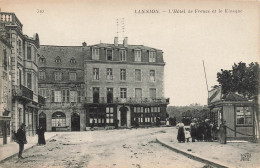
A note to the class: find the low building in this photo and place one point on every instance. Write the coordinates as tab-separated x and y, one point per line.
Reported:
235	111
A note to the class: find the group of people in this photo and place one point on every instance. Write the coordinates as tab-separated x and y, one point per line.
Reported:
20	138
199	130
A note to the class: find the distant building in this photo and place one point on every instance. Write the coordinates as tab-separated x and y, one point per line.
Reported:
124	82
61	82
24	74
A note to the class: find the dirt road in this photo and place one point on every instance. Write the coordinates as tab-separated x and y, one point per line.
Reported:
125	148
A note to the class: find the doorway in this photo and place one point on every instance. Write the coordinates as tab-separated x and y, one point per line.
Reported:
123	115
75	122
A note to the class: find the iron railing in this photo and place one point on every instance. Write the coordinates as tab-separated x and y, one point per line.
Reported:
131	100
22	91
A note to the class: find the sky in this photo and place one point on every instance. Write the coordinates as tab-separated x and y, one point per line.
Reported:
211	33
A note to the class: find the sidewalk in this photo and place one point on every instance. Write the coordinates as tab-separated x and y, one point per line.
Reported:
214	153
11	149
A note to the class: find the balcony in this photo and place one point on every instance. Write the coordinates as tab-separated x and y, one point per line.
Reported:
41	100
22	92
131	100
10	19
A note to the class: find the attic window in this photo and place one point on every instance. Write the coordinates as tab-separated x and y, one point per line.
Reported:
42	59
58	60
72	61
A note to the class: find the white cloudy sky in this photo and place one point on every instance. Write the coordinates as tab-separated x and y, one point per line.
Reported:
220	39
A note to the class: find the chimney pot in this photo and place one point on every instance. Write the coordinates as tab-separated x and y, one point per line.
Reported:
125	43
116	41
84	44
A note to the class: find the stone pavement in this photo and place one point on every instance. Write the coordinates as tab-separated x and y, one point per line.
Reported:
232	154
11	149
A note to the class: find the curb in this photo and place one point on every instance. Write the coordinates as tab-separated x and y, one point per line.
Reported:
192	156
16	154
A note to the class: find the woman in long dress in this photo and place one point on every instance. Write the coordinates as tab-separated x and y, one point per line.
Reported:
41	138
181	135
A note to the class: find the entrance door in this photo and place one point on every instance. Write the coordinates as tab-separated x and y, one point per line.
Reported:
123	115
42	120
75	122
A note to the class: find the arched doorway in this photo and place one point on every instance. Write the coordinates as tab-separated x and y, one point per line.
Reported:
42	120
75	122
123	116
58	121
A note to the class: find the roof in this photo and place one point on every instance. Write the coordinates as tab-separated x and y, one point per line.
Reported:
233	97
142	47
66	53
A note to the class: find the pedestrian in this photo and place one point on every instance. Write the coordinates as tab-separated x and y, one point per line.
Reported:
41	138
199	132
158	122
181	134
187	134
21	139
136	123
116	123
193	130
92	125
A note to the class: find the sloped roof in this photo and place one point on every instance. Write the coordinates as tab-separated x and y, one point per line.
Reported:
142	47
233	97
66	53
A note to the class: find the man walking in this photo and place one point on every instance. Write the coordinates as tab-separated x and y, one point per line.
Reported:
21	139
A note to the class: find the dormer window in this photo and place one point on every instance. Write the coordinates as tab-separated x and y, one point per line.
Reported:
122	54
72	61
152	56
58	60
109	54
95	53
42	59
138	56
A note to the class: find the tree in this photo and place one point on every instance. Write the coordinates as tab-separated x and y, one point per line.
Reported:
242	79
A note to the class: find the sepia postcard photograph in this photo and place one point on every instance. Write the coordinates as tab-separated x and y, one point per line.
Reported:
129	84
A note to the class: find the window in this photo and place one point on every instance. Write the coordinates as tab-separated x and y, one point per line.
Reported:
152	56
138	113
244	115
72	61
57	75
73	76
95	74
65	95
57	96
109	74
137	75
109	115
79	96
19	47
138	55
123	93
42	59
95	95
29	80
138	93
147	117
155	112
98	115
44	92
42	75
52	96
58	119
152	75
109	54
123	74
58	60
122	54
73	96
109	95
5	60
95	53
152	93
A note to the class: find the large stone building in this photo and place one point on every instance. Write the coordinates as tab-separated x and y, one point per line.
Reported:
61	82
102	83
5	86
24	74
124	83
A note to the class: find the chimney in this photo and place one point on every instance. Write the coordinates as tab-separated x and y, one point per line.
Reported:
84	44
125	42
116	41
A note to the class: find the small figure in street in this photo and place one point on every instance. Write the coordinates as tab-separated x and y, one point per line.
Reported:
21	139
193	130
41	138
116	123
207	131
158	122
181	134
187	134
93	124
200	131
167	122
136	123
